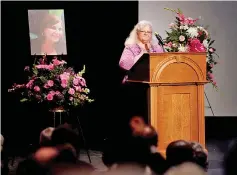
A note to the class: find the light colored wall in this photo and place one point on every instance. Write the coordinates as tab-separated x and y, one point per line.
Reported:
222	18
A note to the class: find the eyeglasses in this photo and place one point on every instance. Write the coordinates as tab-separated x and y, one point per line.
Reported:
142	31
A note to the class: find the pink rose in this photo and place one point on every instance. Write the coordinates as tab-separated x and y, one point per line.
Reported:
65	75
82	81
52	92
196	46
36	89
49	97
50	67
64	83
46	86
210	75
50	83
70	98
78	88
191	21
214	82
168	44
75	81
181	18
181	38
57	92
56	62
71	91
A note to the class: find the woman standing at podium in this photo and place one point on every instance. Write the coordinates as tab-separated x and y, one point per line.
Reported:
133	96
141	40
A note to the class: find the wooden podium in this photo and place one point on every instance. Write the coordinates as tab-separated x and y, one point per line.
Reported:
175	94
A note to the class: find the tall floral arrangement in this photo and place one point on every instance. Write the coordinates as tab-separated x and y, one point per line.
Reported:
54	83
186	35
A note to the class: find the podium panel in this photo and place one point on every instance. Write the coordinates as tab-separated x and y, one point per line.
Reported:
175	94
174	114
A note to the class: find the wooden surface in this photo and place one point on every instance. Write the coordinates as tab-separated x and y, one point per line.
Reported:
176	96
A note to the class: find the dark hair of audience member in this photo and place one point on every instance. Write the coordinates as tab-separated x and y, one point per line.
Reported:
178	152
63	135
66	155
200	157
45	137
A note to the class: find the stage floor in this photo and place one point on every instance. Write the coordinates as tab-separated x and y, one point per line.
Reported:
216	149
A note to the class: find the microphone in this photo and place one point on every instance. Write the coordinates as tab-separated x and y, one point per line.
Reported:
161	42
159	38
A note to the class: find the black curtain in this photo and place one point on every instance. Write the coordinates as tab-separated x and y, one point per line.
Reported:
95	34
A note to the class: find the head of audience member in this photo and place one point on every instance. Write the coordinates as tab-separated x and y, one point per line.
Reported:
200	155
147	132
67	154
178	152
186	168
45	136
64	135
45	155
137	125
58	154
230	159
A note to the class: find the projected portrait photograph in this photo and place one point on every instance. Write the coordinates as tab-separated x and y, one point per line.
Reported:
47	32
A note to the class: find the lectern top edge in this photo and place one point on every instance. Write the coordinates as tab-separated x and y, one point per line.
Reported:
178	53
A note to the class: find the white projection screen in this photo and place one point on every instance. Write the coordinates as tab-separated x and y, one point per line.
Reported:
221	18
47	32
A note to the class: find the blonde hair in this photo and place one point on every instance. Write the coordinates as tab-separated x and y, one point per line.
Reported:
133	39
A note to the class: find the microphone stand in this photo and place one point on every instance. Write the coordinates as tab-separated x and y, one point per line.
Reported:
160	42
162	46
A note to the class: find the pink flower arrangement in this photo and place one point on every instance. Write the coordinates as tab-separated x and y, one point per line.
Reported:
187	36
54	83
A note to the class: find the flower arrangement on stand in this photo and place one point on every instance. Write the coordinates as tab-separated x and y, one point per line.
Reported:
186	35
55	84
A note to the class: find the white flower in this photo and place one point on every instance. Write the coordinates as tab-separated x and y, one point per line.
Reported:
199	27
174	45
183	27
193	32
205	43
87	90
183	48
181	38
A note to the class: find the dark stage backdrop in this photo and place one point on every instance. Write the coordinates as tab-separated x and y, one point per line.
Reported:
95	33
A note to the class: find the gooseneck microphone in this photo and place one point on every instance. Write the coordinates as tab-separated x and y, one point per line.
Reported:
161	42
